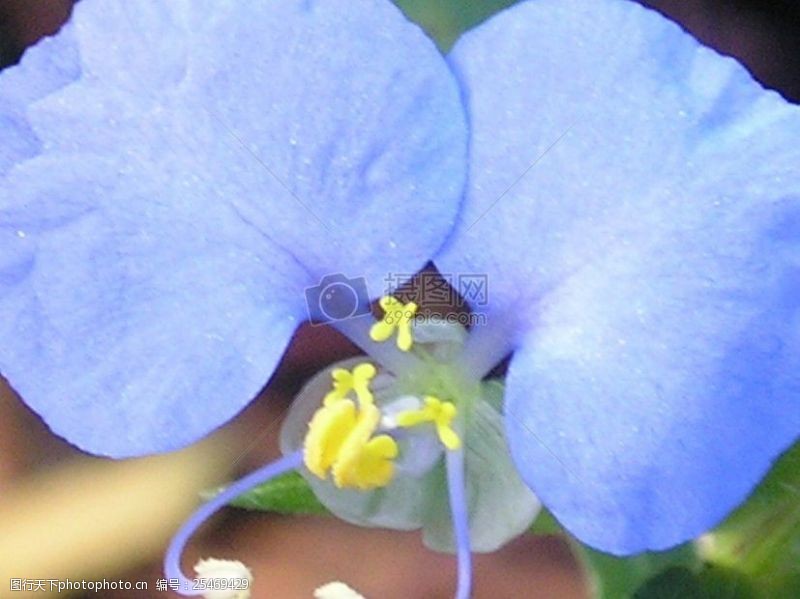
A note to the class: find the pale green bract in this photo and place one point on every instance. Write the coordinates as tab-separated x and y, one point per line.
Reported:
501	507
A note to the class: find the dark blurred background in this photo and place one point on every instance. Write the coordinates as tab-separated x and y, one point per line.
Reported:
63	514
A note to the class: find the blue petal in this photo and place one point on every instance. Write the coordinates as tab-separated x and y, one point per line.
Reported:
183	178
47	68
652	255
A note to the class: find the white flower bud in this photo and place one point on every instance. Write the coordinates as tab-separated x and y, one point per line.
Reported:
223	579
336	590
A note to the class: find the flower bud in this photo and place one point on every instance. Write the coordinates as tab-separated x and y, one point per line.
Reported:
223	579
336	590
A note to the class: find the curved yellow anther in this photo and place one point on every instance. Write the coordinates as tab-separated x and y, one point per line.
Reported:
365	462
357	381
440	413
339	437
327	432
396	316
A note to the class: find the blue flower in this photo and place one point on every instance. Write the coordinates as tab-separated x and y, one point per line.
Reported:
175	175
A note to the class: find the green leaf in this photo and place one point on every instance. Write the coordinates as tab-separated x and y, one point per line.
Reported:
709	583
673	583
612	577
286	494
445	20
546	524
761	540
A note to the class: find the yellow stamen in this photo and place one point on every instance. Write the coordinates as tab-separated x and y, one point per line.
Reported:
327	432
396	316
357	381
365	462
440	413
340	437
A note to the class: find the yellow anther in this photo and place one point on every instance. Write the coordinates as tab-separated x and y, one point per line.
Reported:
364	462
396	316
327	432
440	413
357	381
340	437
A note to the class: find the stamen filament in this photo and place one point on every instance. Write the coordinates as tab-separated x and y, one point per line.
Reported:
387	354
456	489
172	559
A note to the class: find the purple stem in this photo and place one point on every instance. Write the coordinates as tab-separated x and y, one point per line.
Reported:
458	509
172	559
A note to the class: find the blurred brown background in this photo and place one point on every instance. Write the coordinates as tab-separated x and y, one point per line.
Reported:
63	514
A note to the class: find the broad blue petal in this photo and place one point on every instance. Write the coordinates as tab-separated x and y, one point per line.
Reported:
188	173
652	255
48	68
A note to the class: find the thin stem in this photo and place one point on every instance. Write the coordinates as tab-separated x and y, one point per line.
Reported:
458	510
172	559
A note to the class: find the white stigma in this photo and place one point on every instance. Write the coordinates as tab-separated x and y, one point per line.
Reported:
224	579
336	590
